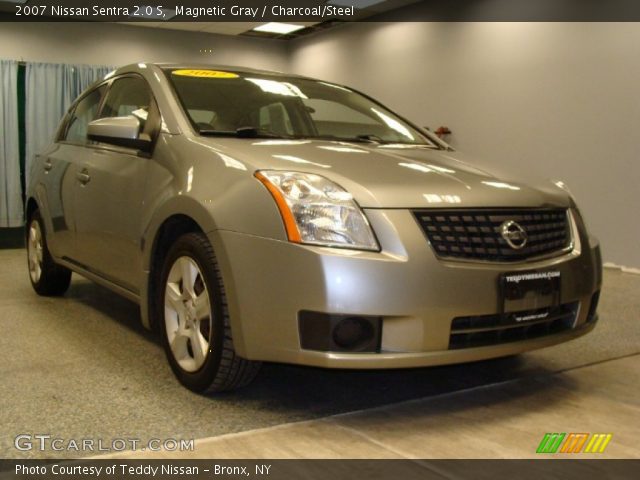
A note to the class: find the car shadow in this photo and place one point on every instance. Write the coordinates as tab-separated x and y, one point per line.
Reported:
325	392
121	310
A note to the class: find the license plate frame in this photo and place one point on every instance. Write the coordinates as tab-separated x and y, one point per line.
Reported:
529	290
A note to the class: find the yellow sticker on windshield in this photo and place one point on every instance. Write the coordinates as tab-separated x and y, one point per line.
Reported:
204	73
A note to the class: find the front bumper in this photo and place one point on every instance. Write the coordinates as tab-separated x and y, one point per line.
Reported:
269	282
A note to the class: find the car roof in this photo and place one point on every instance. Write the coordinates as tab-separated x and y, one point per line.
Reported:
140	67
207	66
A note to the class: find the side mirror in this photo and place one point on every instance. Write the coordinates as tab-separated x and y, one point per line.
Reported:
120	131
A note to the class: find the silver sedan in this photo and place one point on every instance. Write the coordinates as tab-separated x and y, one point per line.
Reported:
257	216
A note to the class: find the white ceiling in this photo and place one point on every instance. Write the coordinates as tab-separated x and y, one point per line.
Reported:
224	28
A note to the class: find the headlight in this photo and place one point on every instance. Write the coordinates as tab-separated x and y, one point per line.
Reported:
574	206
317	211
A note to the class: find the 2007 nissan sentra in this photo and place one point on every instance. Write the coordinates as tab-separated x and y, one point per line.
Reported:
257	216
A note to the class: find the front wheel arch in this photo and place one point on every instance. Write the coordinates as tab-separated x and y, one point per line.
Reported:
166	235
31	207
179	318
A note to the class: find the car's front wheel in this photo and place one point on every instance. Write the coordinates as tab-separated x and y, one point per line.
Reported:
47	278
194	320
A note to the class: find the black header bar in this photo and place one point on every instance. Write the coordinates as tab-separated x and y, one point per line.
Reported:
319	11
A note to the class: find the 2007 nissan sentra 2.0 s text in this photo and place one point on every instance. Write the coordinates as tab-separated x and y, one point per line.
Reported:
257	216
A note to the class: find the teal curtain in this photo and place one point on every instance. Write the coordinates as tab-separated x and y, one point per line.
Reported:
50	88
11	208
21	131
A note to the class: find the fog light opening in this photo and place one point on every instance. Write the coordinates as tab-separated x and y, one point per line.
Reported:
353	333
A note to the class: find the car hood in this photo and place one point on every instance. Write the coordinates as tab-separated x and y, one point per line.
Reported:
392	176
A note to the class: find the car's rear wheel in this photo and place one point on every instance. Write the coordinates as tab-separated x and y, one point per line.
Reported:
47	278
194	320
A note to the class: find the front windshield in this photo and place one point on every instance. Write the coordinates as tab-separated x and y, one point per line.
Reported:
247	104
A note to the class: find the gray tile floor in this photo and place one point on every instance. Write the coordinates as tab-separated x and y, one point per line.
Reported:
503	420
82	366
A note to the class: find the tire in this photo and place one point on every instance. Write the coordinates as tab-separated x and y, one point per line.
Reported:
194	320
47	277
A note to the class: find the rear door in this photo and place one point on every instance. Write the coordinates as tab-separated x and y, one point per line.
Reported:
109	199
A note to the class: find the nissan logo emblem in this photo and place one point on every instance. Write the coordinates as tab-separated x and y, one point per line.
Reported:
513	234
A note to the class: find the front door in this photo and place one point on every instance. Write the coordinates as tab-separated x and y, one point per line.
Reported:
110	193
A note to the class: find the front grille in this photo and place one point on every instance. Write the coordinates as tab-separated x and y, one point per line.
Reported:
483	330
475	234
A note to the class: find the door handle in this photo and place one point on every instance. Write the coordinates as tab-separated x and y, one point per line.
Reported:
83	177
47	166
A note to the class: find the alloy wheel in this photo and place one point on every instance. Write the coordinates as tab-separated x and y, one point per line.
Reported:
187	310
35	251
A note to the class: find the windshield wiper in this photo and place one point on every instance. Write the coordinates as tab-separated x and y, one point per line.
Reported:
370	137
255	132
364	138
376	139
337	138
244	132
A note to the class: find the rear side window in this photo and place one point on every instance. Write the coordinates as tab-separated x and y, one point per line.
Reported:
84	113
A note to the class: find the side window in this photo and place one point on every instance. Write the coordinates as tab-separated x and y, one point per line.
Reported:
332	118
84	113
274	118
128	96
326	110
204	117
